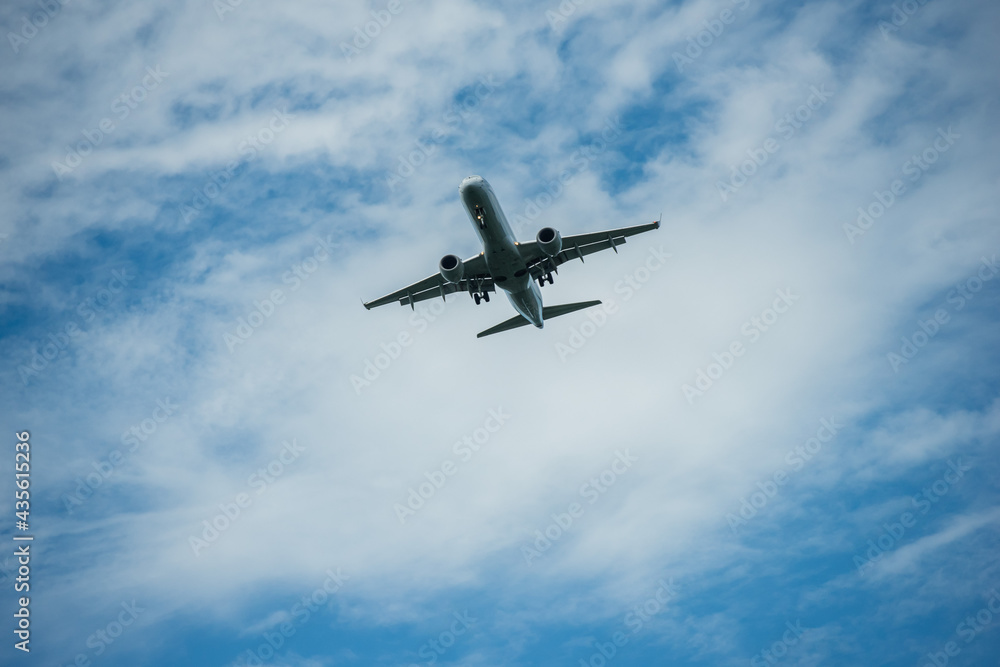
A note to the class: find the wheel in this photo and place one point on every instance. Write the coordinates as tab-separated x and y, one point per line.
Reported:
486	297
476	297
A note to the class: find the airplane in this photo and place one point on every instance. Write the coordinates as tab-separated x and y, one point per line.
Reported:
519	269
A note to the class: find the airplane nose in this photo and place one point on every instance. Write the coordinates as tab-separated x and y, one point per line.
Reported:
471	182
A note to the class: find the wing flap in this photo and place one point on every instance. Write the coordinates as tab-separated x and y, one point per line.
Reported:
480	285
593	237
430	287
578	246
545	264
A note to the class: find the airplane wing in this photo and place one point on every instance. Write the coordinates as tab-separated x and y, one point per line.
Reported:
577	246
476	278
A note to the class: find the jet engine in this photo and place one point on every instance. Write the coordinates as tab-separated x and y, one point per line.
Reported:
550	241
451	268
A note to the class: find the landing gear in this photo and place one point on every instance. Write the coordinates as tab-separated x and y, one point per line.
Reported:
478	290
545	276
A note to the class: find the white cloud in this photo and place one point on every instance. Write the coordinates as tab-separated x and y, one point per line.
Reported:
291	379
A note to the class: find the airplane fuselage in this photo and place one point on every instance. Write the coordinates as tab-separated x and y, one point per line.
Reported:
519	269
503	259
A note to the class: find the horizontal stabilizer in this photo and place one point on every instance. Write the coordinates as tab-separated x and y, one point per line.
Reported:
548	312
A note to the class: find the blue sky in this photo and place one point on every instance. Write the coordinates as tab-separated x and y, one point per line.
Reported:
198	195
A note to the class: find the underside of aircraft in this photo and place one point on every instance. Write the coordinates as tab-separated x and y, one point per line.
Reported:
520	269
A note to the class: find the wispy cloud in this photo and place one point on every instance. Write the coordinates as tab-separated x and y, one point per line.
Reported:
212	244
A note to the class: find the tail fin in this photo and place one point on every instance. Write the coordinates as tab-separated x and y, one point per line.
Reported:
548	312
